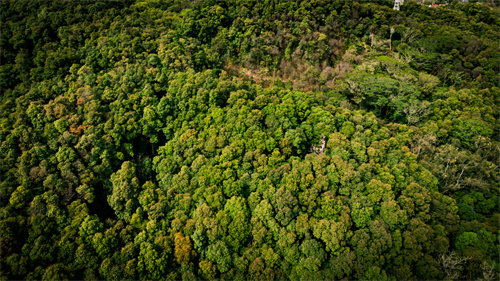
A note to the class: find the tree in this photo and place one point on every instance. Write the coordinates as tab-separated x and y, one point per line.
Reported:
150	264
133	145
219	253
333	234
452	265
416	111
19	197
183	249
123	198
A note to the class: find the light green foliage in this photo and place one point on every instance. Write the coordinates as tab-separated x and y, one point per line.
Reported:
219	253
151	264
361	215
89	227
19	197
266	140
333	234
375	273
466	239
123	198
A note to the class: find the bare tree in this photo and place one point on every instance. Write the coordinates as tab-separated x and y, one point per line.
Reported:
453	163
481	143
320	147
353	87
408	35
452	265
390	38
489	272
416	111
378	44
402	57
423	143
345	104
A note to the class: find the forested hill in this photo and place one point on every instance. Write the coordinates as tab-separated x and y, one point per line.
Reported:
266	140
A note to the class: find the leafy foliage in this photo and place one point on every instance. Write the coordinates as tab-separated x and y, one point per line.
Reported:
249	140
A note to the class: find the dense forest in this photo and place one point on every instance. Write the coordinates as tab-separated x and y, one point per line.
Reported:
266	140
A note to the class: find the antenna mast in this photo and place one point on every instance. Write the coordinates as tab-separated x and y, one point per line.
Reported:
397	3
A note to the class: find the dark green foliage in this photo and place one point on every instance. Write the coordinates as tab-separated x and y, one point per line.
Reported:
267	140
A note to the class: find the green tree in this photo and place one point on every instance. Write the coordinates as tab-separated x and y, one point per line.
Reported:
219	253
123	198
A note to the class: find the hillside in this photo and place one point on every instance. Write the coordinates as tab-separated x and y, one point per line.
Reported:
266	140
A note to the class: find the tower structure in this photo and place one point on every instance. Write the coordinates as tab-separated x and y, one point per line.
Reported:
397	3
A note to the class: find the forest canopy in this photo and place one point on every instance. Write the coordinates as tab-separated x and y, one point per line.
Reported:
266	140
